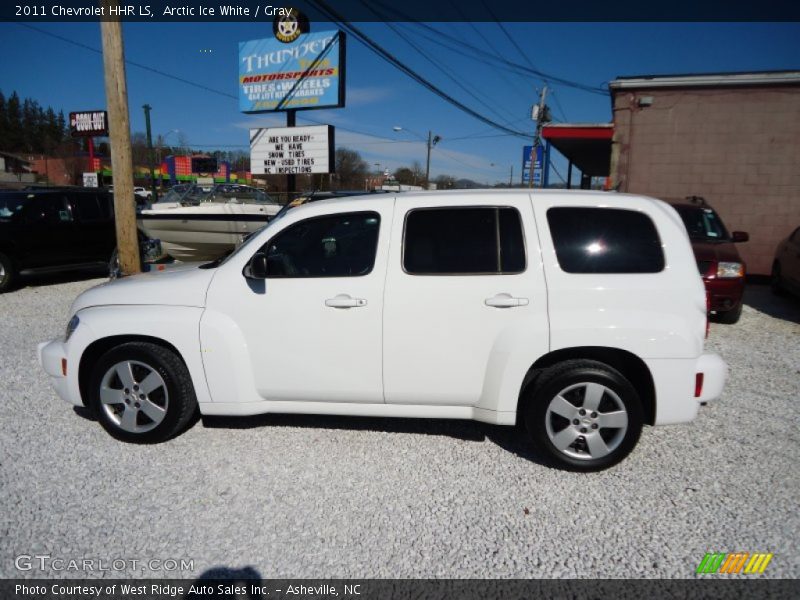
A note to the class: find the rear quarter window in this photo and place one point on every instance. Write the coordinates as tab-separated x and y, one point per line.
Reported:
605	240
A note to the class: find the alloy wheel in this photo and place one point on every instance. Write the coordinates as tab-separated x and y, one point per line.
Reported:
586	421
134	396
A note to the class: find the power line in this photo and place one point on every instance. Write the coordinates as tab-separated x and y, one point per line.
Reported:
391	59
437	65
381	139
482	55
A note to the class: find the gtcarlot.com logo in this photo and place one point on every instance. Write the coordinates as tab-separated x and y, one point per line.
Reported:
47	562
734	563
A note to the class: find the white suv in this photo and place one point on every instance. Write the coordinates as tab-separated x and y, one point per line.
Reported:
579	314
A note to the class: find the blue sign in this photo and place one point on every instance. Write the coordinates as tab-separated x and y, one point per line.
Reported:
526	164
304	74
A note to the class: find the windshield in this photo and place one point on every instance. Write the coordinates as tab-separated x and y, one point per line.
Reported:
11	204
226	193
248	243
703	224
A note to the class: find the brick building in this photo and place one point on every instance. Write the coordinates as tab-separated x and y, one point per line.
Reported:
731	138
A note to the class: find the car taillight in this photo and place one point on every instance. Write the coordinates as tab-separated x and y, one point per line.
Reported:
698	385
708	310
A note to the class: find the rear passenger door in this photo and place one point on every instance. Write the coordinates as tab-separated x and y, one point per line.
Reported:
49	238
464	284
94	223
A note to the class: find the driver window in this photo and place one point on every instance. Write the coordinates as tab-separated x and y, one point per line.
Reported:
342	245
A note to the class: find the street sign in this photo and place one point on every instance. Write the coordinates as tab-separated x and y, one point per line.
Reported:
526	164
91	180
304	74
292	150
90	123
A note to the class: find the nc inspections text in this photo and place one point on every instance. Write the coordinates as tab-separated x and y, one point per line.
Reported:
145	10
225	590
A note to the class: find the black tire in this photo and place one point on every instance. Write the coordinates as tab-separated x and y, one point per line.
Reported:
618	394
729	317
775	281
8	273
176	394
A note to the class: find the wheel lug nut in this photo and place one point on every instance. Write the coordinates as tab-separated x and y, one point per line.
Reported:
583	429
575	421
136	388
141	396
136	405
581	412
127	391
594	415
594	425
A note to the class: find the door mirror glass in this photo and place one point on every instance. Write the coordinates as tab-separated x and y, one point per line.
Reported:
740	236
257	268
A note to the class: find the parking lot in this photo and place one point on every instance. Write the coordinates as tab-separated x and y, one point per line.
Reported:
307	496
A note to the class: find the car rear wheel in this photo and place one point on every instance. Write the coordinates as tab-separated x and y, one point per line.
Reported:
775	282
584	415
142	393
8	273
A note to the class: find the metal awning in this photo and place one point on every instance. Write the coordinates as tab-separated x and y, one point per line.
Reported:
586	145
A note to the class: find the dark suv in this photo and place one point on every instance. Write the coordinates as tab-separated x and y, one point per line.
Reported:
46	230
718	259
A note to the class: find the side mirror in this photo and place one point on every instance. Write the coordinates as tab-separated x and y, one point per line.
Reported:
257	268
740	236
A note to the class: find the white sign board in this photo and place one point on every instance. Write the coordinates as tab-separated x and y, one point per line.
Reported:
292	150
90	180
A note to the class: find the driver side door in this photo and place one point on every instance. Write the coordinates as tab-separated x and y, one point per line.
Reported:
313	328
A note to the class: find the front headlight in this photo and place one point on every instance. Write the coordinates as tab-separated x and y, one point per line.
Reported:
730	270
71	327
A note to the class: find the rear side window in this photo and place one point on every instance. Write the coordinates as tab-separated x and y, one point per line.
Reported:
605	240
463	241
90	207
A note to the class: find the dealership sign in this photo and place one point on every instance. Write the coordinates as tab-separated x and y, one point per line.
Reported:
292	150
304	74
90	123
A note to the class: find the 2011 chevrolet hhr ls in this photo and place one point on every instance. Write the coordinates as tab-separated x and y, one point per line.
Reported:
580	314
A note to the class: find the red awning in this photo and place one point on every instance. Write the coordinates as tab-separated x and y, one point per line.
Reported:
587	146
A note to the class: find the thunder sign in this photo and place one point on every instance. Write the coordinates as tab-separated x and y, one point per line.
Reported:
307	73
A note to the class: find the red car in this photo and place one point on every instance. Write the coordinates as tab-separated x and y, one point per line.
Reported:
718	259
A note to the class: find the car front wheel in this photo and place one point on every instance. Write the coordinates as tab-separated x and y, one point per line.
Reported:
7	273
584	415
142	393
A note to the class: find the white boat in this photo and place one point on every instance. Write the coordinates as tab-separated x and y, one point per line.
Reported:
194	224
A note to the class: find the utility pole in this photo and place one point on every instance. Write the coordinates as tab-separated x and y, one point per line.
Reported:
511	177
120	138
291	180
147	108
432	141
537	136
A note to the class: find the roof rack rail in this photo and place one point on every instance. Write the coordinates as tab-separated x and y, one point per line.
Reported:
699	200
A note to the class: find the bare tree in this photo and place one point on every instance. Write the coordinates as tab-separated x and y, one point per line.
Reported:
351	169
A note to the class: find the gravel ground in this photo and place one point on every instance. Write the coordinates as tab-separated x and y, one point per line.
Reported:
306	496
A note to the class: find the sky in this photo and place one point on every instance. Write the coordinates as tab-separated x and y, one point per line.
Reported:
380	97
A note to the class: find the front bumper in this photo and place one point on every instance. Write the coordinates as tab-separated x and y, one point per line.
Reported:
715	372
53	357
724	294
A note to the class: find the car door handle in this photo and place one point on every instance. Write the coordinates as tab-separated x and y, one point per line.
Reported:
505	301
345	301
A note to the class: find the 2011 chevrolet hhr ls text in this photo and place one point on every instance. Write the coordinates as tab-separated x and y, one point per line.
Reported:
579	314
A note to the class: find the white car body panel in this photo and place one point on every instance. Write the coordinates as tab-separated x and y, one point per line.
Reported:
442	344
420	346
